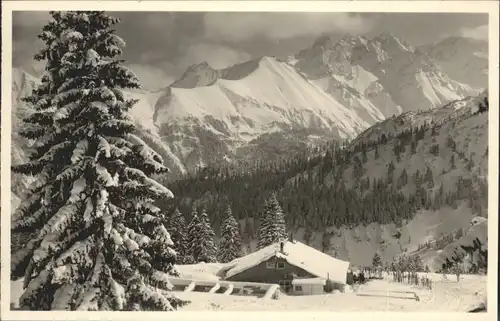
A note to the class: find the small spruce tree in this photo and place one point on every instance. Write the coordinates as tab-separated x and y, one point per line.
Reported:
230	243
204	248
192	237
376	261
452	162
272	226
429	178
418	264
177	230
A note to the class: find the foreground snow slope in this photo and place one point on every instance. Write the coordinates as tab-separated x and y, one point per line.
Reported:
447	296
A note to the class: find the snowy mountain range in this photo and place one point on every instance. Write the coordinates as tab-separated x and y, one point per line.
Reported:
385	73
274	106
332	90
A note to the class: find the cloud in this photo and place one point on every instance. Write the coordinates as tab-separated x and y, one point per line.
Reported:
155	73
480	32
151	77
23	56
30	19
217	56
235	27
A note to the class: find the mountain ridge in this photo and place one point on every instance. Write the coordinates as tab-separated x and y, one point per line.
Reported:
348	81
231	115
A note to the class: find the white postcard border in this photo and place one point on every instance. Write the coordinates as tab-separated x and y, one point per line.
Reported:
490	7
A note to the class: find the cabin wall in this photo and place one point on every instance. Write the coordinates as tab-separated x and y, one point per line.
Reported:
263	273
308	289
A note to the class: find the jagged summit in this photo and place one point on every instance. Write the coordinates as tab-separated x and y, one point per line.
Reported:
201	74
200	66
384	69
351	40
387	36
324	41
390	39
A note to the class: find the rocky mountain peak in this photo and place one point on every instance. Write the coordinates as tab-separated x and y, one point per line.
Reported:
324	42
197	75
200	67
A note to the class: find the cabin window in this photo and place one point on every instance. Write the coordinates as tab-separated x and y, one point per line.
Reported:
270	265
298	288
281	265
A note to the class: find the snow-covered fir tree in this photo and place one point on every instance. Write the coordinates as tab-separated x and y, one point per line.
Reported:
205	249
418	264
272	226
376	261
99	243
230	242
192	237
177	230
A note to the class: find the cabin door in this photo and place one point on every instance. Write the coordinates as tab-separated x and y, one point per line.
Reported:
286	285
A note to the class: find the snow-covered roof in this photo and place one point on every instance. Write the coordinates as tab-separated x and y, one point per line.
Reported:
309	281
298	254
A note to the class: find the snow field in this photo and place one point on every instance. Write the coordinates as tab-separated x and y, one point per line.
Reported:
445	296
448	296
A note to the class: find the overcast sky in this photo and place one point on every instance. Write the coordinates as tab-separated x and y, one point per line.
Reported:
161	45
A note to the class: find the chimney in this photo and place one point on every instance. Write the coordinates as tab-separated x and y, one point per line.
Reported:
282	247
